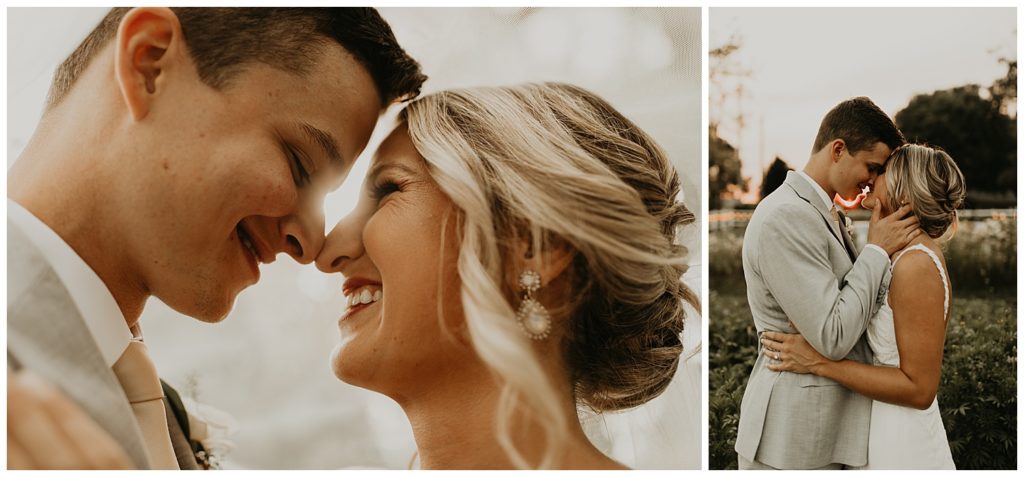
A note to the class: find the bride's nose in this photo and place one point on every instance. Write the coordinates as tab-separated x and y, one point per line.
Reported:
343	245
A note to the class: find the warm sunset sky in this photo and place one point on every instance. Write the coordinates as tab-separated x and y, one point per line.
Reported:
803	61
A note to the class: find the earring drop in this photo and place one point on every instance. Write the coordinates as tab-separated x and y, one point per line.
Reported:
533	318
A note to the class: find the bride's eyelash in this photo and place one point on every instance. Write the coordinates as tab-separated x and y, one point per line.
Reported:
384	187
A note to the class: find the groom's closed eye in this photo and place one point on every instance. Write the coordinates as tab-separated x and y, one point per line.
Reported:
300	172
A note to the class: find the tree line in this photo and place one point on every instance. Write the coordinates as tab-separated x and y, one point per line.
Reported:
976	125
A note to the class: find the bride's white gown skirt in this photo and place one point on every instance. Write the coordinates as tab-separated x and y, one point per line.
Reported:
907	438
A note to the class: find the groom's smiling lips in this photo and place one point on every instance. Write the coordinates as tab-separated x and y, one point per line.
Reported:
254	244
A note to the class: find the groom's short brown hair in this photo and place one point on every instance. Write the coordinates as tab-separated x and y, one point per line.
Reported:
860	123
222	41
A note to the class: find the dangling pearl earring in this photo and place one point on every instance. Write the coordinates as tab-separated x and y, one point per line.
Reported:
533	318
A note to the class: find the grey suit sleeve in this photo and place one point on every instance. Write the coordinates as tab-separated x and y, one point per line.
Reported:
829	313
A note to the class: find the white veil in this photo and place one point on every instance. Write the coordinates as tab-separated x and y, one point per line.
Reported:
665	432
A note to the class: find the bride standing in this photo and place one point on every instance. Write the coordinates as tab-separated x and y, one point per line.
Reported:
907	333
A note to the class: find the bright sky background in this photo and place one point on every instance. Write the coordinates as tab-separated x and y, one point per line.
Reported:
804	61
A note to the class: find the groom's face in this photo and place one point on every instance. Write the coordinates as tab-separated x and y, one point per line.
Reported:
853	172
236	176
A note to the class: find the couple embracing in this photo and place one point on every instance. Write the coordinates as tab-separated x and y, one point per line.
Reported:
850	344
512	257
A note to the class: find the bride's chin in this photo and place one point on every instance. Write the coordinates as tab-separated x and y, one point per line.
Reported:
351	366
342	371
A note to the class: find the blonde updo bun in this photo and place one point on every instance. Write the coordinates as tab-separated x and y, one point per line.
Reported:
930	181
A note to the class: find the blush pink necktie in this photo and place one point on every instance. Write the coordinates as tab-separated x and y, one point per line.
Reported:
139	380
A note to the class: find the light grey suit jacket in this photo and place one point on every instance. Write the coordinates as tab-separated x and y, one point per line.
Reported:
799	266
46	334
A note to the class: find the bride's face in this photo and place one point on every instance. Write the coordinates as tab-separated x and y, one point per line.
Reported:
878	193
398	269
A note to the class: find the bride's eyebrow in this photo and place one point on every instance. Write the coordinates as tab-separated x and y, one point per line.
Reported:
379	168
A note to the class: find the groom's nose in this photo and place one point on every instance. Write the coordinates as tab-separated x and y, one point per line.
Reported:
303	234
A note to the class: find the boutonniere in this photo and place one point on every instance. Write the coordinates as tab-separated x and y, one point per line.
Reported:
212	429
849	222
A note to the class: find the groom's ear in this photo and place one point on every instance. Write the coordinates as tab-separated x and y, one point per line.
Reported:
836	148
148	41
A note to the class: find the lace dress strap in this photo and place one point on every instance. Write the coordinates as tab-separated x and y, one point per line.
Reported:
942	273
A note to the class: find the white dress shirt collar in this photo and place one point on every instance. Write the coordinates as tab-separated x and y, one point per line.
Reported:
817	188
95	303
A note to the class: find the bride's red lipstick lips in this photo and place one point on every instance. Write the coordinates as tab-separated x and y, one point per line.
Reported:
351	285
356	282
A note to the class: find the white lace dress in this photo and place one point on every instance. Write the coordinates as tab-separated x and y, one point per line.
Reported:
904	437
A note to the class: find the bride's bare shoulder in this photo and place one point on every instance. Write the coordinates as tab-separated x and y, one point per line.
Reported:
917	281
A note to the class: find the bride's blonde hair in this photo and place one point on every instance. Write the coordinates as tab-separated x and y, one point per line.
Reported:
928	179
555	165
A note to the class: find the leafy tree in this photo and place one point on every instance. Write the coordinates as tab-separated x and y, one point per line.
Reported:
972	129
723	169
774	176
1004	90
726	75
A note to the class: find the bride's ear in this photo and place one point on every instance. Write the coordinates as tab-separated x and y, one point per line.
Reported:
549	262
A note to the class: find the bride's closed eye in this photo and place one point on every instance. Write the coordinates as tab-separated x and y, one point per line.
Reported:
384	187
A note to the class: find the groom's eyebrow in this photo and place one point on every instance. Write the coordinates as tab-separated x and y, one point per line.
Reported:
326	142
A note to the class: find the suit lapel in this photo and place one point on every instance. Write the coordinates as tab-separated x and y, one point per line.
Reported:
847	240
180	442
186	449
809	195
46	333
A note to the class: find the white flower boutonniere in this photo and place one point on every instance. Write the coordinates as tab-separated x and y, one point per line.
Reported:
212	428
849	222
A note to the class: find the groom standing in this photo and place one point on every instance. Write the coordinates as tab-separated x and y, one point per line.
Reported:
179	150
801	267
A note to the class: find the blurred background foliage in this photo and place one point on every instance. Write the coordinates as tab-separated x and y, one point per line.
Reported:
978	391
